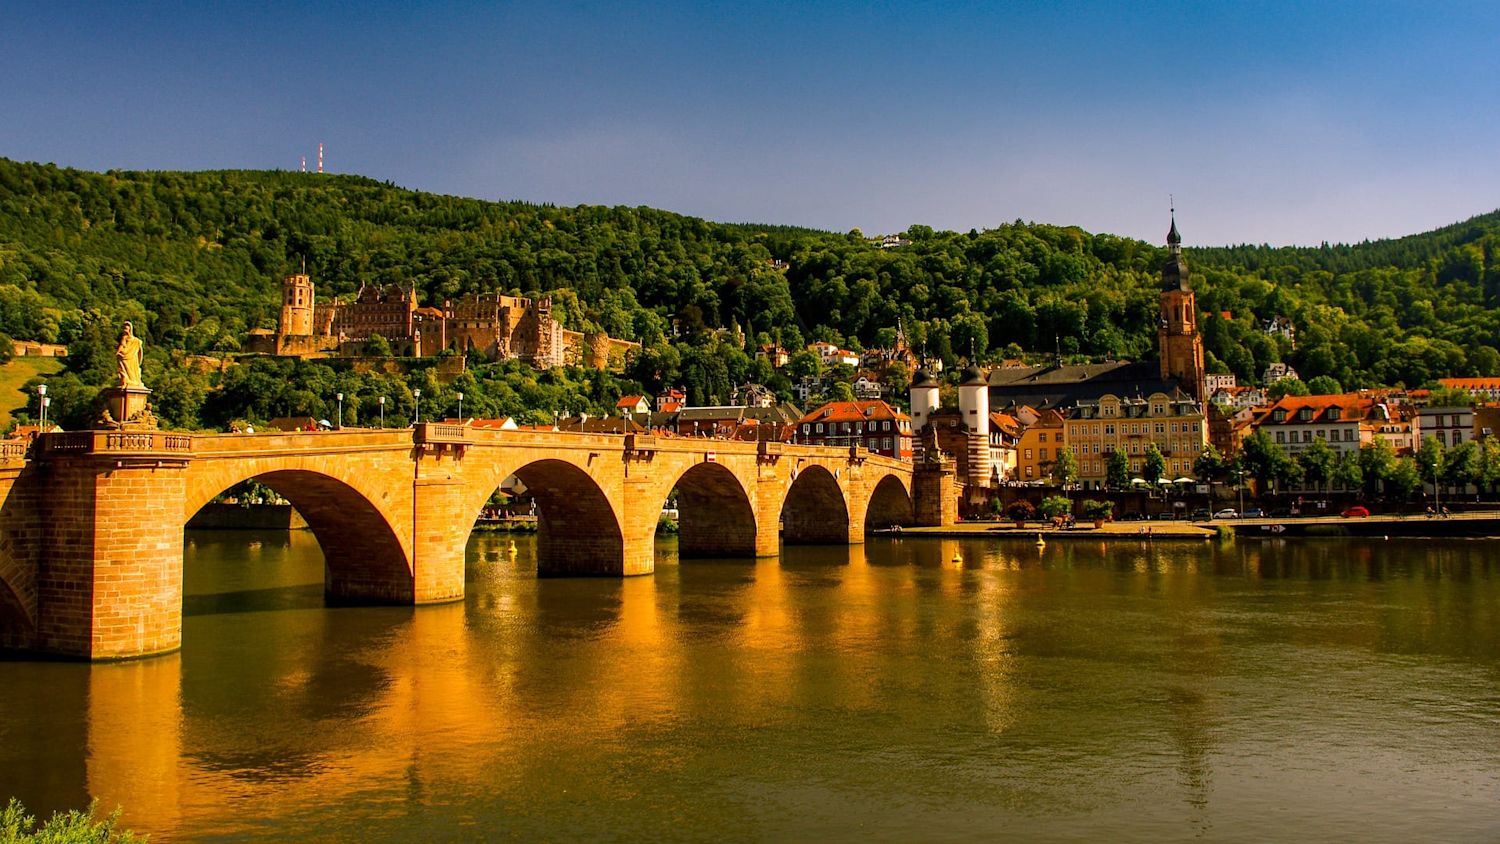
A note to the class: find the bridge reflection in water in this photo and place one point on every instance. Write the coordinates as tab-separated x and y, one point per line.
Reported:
1158	690
93	566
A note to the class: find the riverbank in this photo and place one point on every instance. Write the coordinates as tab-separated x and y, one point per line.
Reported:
1134	531
1462	525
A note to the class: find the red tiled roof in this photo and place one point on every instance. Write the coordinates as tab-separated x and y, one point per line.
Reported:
853	411
1471	383
1352	408
629	401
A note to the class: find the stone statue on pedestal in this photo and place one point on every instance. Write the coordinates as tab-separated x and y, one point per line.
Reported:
125	405
130	355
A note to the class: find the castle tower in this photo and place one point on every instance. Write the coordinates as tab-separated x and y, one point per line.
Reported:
924	400
974	405
1177	339
296	306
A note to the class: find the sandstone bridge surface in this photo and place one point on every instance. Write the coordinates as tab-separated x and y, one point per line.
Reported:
91	522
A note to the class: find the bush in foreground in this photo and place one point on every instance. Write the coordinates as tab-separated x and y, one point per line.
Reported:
75	827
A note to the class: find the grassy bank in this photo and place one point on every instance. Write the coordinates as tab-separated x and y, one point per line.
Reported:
14	375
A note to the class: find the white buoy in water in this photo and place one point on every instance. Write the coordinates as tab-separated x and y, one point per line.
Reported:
512	549
1040	542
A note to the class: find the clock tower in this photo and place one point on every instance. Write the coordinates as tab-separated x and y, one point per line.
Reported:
1177	338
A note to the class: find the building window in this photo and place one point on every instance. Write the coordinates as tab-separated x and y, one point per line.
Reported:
1041	438
1281	436
1028	457
1160	428
820	427
1042	454
1109	429
1307	436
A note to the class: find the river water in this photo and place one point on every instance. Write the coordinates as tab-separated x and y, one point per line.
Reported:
1251	691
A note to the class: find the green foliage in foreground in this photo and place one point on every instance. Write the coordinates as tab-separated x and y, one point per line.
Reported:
74	827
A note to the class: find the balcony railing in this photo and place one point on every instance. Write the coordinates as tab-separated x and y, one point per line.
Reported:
116	442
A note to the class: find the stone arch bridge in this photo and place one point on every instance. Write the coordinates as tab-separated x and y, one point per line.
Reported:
91	522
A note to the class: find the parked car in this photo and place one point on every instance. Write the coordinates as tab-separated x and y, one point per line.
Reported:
1227	513
1282	513
1202	515
1358	511
1254	513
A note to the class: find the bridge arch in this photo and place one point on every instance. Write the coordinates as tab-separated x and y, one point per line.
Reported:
363	557
715	515
814	509
890	504
578	531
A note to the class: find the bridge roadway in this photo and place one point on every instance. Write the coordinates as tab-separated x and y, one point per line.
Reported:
91	522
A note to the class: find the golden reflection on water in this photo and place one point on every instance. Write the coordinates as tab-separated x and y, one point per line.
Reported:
135	737
1057	668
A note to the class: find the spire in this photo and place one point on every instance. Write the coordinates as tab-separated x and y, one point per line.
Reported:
1174	274
1174	240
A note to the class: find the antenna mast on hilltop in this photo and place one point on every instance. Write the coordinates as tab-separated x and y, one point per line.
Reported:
320	156
304	164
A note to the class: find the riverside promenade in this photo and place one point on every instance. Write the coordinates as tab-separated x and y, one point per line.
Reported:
1472	525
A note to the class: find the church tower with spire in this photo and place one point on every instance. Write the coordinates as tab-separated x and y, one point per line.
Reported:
1177	338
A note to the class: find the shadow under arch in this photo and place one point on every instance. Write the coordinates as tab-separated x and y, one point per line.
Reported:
577	530
16	628
363	558
814	511
715	517
890	504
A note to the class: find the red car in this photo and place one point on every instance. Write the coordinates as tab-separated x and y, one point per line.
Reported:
1356	512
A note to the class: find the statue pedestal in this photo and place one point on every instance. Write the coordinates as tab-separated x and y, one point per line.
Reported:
125	408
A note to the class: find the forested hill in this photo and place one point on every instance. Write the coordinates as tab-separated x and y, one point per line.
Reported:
195	259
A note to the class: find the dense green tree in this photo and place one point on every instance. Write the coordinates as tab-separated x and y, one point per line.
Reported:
1324	385
1317	463
1405	478
1347	472
1154	465
1210	465
1288	387
1463	465
1264	460
1117	471
1377	460
1064	469
1432	459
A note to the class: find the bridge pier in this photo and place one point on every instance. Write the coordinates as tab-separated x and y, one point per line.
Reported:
934	493
439	541
109	580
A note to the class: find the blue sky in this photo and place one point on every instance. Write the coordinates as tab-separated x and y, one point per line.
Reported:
1269	121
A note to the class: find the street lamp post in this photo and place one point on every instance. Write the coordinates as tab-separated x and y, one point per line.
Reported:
417	396
1239	475
460	408
340	397
41	392
382	411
